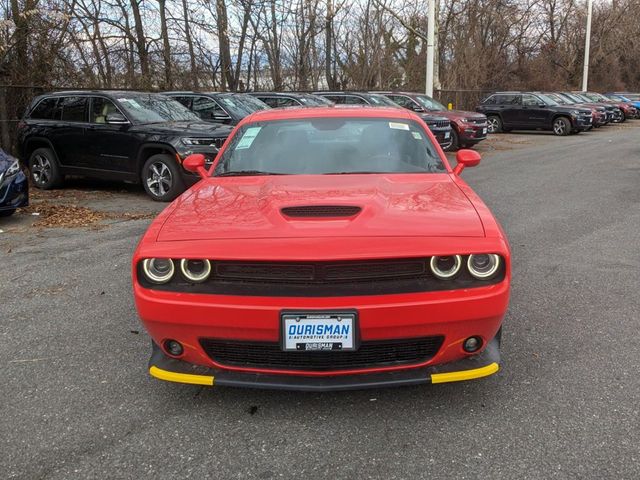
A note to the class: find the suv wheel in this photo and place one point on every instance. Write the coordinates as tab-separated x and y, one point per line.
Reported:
44	169
161	178
561	126
494	124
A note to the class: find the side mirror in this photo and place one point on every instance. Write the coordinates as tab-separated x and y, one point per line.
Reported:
466	158
417	108
221	117
195	163
116	119
542	105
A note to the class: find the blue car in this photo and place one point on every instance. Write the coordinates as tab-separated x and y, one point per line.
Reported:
14	186
620	97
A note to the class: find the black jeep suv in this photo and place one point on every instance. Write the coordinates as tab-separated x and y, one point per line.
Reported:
131	136
508	111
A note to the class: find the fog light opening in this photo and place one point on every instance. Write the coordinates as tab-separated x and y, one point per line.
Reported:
173	348
472	344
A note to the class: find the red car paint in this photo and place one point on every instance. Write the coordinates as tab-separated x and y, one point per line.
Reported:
403	216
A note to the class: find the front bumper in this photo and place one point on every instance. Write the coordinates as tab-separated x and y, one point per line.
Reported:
473	133
582	122
443	136
14	192
477	366
454	315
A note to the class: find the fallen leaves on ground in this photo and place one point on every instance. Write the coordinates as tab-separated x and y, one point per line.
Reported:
72	216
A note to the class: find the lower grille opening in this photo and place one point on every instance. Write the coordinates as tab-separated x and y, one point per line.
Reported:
372	354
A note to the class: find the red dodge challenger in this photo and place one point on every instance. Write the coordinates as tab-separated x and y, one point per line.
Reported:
325	249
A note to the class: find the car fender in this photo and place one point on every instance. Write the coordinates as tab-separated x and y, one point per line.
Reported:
157	147
27	147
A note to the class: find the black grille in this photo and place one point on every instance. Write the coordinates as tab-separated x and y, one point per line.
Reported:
369	355
478	121
438	123
320	272
321	211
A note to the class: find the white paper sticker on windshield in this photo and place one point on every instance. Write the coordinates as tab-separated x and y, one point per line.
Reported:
416	135
248	137
398	126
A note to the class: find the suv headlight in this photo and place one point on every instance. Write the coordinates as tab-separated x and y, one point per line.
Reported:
195	141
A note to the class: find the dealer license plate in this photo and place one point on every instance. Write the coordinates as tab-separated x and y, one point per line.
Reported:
484	131
318	331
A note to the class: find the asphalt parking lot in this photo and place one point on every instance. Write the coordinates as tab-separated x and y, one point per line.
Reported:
77	401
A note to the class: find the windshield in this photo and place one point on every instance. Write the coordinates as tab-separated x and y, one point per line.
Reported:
154	108
238	106
582	98
429	103
557	98
596	97
547	100
252	102
313	100
380	100
318	146
573	98
633	96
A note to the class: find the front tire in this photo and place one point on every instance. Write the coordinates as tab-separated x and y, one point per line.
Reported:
494	124
561	126
161	178
7	213
44	169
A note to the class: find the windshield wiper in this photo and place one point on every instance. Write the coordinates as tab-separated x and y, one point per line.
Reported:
247	173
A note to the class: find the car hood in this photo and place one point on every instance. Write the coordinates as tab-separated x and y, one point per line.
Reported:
197	128
418	205
571	108
460	114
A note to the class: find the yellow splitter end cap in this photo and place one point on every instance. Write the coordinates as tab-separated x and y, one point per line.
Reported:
181	377
465	374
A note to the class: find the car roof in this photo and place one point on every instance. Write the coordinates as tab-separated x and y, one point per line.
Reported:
331	111
279	94
108	93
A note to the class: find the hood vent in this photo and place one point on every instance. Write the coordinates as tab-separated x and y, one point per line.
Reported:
321	211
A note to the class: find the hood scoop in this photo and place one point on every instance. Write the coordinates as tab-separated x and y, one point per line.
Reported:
321	211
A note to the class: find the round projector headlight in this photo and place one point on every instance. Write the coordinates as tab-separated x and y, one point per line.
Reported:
483	266
446	267
158	270
195	270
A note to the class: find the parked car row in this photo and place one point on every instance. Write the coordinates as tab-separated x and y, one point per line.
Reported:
144	137
563	113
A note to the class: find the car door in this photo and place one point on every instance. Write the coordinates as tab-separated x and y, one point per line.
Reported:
112	147
533	113
67	134
509	106
209	110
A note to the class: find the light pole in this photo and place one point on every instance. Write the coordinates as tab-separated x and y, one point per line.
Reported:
587	42
431	23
